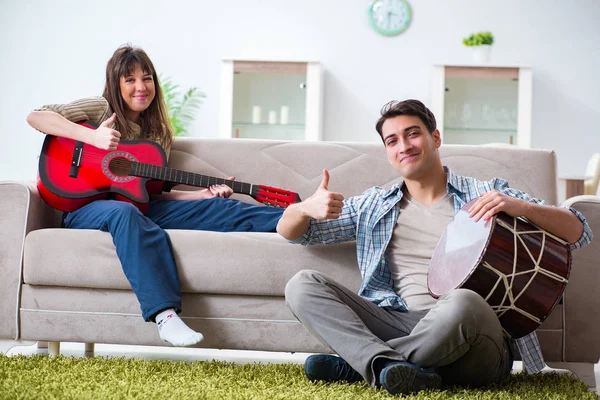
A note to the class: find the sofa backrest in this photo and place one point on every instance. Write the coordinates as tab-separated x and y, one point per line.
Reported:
354	167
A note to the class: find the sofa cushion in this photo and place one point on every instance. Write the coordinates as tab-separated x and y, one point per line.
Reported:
208	262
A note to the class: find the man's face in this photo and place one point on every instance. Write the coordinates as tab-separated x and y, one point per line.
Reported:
409	146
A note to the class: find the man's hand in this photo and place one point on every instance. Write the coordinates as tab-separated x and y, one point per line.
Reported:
323	204
491	203
556	220
105	137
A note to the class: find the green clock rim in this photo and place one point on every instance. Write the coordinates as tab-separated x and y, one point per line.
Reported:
385	32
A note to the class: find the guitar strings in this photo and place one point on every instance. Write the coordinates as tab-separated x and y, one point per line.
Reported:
120	161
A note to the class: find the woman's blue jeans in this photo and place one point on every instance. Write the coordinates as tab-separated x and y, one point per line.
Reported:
144	248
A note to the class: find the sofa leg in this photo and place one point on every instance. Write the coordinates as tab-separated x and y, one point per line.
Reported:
583	371
89	349
53	349
42	345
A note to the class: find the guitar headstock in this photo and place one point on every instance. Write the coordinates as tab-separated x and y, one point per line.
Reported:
276	197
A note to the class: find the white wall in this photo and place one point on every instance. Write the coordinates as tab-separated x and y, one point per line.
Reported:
56	51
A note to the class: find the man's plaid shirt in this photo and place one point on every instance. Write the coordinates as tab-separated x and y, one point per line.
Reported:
370	219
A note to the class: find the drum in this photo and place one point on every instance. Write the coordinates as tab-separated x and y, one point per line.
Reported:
518	268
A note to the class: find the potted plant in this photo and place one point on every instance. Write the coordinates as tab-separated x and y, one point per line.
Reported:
481	43
182	109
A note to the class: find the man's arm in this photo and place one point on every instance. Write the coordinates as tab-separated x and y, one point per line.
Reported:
294	222
322	205
558	221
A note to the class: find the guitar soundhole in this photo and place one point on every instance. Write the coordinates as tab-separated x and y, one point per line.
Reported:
117	166
120	166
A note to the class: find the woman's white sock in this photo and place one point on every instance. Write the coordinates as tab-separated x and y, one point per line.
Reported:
172	329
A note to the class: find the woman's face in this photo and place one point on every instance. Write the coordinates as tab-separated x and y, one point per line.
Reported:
137	91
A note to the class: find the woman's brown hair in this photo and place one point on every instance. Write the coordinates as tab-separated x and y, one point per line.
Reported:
155	119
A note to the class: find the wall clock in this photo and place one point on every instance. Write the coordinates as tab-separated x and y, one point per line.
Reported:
390	17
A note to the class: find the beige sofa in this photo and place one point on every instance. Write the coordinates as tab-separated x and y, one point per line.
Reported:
67	285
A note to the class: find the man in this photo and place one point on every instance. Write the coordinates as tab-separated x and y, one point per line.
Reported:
393	333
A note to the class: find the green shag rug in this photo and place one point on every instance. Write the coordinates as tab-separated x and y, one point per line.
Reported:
42	377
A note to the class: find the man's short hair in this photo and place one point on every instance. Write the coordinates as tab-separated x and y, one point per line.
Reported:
407	107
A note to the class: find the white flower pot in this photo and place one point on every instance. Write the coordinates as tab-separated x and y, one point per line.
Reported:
481	53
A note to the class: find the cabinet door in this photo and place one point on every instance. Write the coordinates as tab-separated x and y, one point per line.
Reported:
271	100
483	105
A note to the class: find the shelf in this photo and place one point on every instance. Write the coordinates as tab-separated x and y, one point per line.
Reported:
248	130
271	126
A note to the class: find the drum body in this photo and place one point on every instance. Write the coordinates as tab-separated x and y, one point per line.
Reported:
518	268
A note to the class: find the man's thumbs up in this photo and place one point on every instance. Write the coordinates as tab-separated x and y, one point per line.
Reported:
323	204
325	182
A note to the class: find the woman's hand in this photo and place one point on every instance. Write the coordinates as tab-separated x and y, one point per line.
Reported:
203	194
105	137
220	190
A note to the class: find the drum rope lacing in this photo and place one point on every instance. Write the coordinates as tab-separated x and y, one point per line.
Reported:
501	309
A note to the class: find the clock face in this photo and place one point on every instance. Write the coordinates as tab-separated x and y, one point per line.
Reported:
390	17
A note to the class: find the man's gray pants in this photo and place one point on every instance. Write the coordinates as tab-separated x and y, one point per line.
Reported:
460	337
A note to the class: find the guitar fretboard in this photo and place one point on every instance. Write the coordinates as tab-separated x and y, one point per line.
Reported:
172	175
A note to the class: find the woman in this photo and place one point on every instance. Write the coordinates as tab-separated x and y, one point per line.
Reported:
132	107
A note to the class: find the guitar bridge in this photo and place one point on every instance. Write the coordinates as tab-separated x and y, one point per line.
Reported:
76	160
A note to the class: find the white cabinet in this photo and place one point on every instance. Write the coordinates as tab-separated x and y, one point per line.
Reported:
479	105
279	100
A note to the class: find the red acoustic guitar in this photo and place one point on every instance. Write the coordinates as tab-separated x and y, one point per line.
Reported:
73	174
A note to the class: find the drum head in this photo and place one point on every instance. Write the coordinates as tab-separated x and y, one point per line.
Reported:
458	252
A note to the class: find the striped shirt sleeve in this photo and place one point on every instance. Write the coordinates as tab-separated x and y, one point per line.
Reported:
329	231
586	236
531	353
95	109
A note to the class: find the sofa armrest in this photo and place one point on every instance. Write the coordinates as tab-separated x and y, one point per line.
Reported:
21	211
582	300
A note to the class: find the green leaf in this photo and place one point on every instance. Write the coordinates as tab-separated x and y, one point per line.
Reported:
182	109
478	39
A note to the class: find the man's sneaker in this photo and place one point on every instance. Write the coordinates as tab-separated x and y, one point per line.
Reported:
328	368
405	378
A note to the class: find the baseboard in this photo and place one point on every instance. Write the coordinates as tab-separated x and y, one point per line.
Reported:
6	345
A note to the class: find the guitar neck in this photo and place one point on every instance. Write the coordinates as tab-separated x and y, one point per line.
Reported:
172	175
